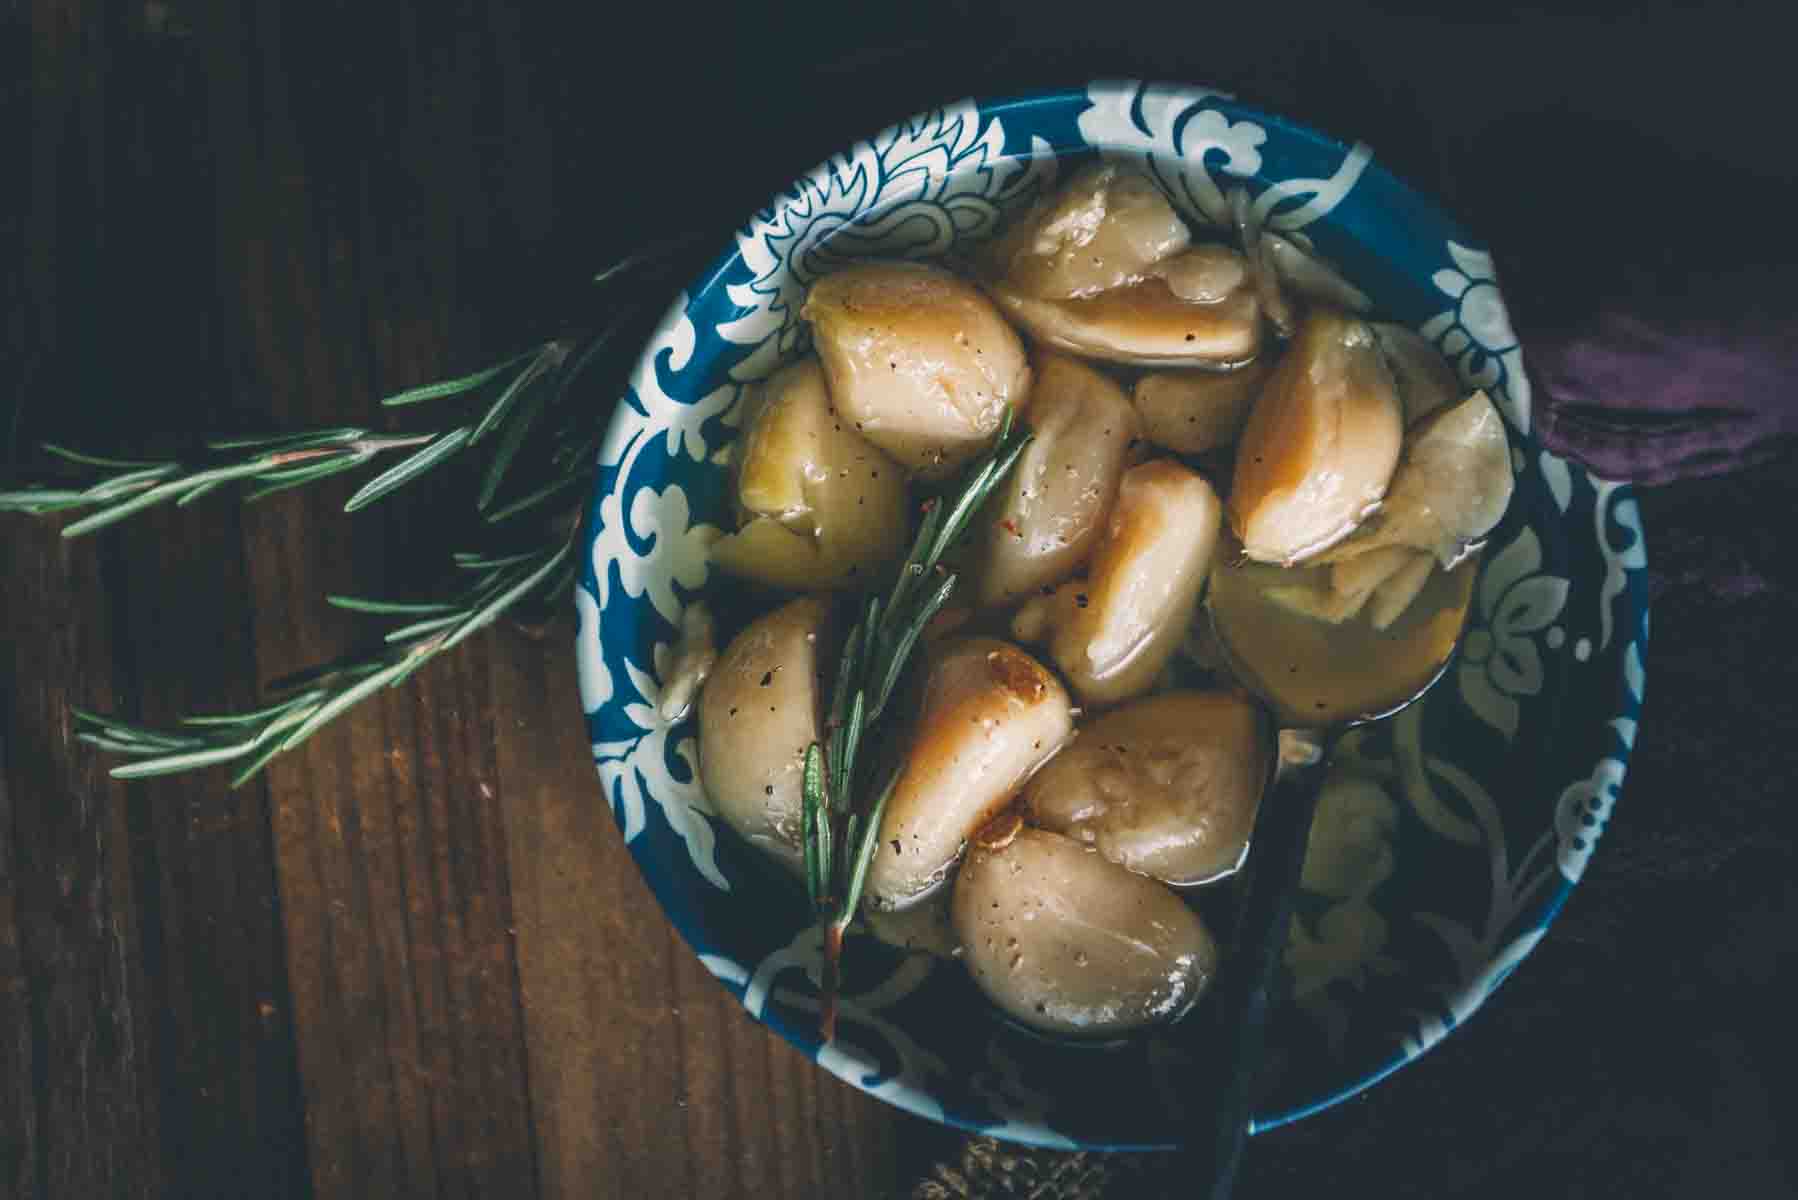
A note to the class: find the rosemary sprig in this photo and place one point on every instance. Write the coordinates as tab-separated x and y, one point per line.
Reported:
535	428
839	834
321	694
263	465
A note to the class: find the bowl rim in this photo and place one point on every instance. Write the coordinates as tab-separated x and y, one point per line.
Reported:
1627	690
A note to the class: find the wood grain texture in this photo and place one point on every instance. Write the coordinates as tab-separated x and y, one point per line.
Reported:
148	947
77	1071
412	959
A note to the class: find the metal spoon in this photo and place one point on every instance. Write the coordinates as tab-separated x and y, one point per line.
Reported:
1320	682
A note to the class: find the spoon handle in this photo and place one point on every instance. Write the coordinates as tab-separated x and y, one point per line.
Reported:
1276	858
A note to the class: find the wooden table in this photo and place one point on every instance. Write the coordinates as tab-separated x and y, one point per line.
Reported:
414	958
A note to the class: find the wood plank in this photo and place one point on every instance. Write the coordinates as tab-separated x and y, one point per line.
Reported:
392	854
80	1111
226	1063
155	1058
71	1004
644	1071
203	854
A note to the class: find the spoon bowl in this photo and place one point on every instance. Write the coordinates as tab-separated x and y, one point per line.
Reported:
1314	675
1319	680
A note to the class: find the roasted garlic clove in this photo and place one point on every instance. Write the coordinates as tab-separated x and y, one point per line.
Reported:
1166	785
918	361
1380	584
1047	517
694	655
1360	575
1264	275
1103	271
989	716
1205	274
1450	489
1192	412
1340	592
1113	631
1425	380
1310	276
760	709
1312	598
826	508
1395	593
1320	446
1142	324
924	928
1105	228
1069	943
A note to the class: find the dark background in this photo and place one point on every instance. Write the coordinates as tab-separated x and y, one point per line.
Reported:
413	960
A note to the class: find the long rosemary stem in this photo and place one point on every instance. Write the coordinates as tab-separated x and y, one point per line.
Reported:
530	425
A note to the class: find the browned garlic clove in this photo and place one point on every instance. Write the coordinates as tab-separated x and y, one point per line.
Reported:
1113	631
1317	602
1425	380
1192	412
1381	584
1046	519
1104	228
1205	274
1166	785
918	361
1395	593
989	716
1263	274
1142	324
690	662
826	508
1069	943
1310	276
1451	488
1339	593
924	928
1360	575
758	713
1103	270
1320	445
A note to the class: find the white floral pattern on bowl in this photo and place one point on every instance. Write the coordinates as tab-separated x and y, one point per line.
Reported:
1527	751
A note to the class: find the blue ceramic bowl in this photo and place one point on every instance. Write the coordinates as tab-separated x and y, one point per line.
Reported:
1478	808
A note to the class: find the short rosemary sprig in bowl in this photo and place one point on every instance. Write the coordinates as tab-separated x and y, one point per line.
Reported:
840	826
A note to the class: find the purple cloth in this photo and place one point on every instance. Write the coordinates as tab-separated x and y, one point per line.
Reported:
1636	393
1652	286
